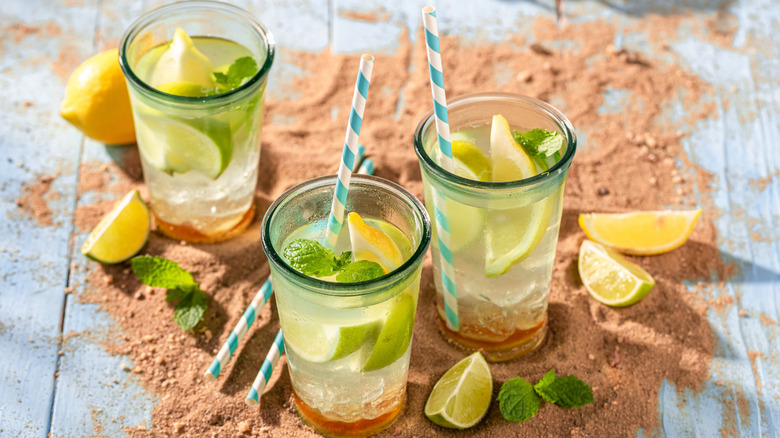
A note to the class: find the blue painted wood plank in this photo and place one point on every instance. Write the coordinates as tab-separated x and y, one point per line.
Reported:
38	43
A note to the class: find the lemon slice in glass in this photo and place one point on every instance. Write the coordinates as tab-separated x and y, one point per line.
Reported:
462	396
610	278
121	233
641	232
320	343
395	335
182	62
372	244
172	145
512	234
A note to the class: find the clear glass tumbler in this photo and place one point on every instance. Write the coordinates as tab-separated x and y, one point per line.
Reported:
200	153
503	234
347	344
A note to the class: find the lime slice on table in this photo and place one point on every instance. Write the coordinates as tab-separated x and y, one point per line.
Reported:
461	397
641	232
121	233
174	145
396	334
466	222
512	234
610	278
324	343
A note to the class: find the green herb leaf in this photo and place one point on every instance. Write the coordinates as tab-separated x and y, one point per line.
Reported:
189	312
566	391
344	259
311	258
361	270
542	385
160	272
242	69
540	142
517	400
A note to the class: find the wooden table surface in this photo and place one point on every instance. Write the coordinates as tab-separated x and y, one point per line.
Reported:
41	41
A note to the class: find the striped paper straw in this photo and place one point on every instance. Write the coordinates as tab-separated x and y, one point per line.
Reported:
445	159
265	371
239	331
367	168
336	218
361	152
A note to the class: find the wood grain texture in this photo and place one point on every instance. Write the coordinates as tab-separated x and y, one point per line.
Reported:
42	41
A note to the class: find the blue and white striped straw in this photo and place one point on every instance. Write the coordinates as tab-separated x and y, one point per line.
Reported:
445	159
239	331
265	371
367	168
361	152
336	219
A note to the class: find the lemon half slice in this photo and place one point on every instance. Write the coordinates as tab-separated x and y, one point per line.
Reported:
182	62
369	243
641	232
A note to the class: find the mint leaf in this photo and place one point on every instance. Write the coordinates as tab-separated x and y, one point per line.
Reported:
540	142
160	272
566	391
189	312
241	69
542	386
344	259
311	258
361	270
517	400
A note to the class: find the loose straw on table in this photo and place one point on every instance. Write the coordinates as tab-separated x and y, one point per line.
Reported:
336	218
445	159
240	330
277	349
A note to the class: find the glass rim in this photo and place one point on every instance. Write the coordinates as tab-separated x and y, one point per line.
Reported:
144	20
364	288
552	172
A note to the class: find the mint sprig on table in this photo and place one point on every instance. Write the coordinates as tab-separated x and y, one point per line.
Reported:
160	272
540	144
242	69
518	400
311	258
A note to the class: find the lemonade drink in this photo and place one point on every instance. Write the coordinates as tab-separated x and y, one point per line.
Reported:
348	343
504	210
197	73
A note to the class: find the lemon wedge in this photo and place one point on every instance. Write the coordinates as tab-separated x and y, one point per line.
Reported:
121	233
641	232
512	234
182	62
369	243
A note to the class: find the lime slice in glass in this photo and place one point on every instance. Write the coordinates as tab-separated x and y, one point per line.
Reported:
512	234
183	88
324	343
462	396
172	145
121	233
396	334
610	278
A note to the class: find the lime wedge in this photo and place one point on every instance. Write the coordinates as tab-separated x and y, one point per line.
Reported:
610	278
462	396
183	88
396	334
324	343
172	145
121	233
512	234
466	222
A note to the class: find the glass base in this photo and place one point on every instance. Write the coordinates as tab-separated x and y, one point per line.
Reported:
519	343
330	428
190	234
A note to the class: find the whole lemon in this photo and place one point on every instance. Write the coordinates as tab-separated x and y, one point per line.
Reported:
97	102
